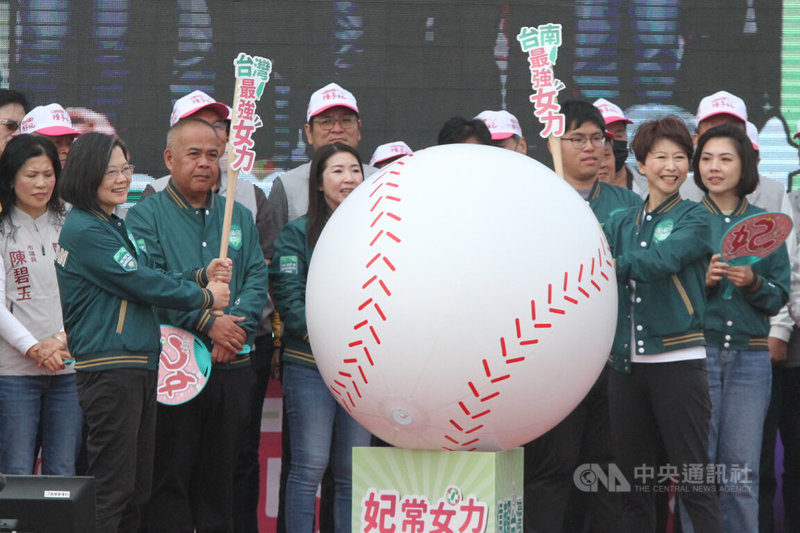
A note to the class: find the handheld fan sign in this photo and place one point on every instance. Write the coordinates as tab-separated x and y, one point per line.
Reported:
184	366
752	239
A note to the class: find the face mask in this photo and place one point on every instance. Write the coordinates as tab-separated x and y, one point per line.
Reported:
620	149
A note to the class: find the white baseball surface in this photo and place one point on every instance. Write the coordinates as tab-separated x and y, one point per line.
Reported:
462	298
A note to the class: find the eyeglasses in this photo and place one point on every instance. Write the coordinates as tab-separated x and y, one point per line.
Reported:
220	125
113	173
11	124
326	124
579	141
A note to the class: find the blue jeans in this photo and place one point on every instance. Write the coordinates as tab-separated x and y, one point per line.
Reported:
23	399
319	430
739	384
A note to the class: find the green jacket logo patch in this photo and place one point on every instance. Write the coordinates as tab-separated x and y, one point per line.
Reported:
235	240
124	258
663	230
288	264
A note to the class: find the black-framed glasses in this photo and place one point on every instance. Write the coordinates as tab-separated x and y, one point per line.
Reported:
326	124
9	123
598	140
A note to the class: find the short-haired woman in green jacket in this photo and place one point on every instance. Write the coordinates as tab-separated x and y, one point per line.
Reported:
107	298
658	391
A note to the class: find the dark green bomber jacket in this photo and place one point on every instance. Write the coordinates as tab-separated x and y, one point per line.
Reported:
288	272
742	323
178	236
607	200
666	252
107	290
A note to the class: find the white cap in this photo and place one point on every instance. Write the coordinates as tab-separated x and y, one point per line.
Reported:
194	102
501	124
752	133
331	95
719	103
611	112
48	119
388	151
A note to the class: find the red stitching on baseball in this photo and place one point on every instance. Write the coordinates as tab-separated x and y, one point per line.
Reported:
503	346
529	342
580	273
354	343
380	312
369	357
345	374
501	378
570	300
557	311
374	335
565	281
596	286
363	376
549	293
486	412
453	422
486	369
392	215
358	392
519	328
473	430
583	291
451	439
351	361
370	280
473	389
463	408
376	219
533	309
376	237
544	325
389	264
362	306
361	324
489	397
470	442
515	360
384	287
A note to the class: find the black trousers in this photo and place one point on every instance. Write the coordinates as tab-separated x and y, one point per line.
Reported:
663	403
119	409
197	446
550	463
246	488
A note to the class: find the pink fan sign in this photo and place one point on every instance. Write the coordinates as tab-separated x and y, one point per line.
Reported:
184	366
754	238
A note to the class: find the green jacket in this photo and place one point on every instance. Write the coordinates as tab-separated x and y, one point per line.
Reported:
178	236
607	200
288	272
107	292
665	252
742	323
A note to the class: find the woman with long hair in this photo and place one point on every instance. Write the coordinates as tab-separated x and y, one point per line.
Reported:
317	423
37	390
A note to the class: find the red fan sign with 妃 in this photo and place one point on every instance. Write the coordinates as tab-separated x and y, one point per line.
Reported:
754	238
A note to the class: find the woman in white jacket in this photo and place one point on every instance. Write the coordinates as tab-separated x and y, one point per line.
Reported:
37	388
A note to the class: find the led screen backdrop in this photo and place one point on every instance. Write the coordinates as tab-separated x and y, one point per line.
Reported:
411	64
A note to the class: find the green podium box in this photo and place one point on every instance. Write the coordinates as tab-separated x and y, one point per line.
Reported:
416	491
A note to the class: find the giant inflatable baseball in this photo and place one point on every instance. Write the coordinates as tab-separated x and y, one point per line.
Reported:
462	298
